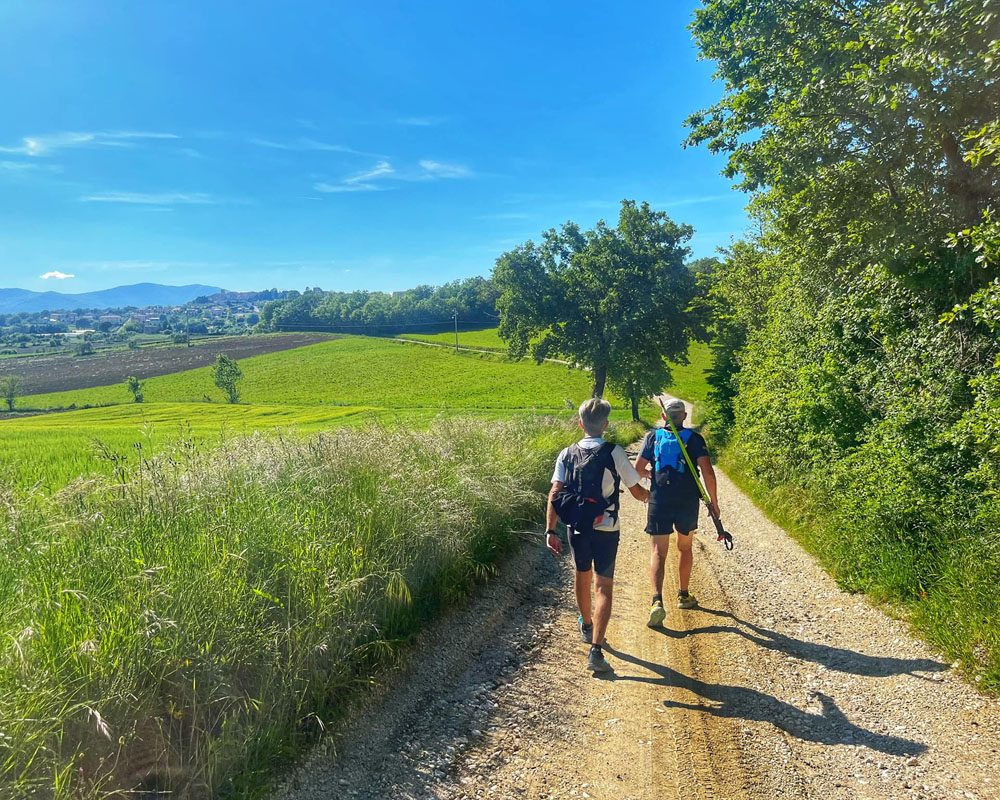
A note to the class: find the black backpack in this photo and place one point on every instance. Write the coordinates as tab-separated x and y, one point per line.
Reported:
581	500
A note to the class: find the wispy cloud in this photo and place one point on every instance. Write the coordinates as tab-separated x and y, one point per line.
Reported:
56	275
17	166
52	142
333	188
375	178
305	144
420	122
360	181
381	170
152	199
439	169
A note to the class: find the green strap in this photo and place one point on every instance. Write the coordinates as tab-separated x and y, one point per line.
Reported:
687	458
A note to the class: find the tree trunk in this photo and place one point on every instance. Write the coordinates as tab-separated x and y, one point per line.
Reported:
600	378
635	404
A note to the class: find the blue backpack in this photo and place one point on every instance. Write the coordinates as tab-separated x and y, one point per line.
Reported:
667	455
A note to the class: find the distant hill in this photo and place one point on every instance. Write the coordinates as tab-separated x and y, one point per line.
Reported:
139	295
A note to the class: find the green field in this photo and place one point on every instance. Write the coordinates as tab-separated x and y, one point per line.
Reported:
50	450
341	382
358	371
689	380
477	340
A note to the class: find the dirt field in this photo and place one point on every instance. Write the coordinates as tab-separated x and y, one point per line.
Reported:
62	373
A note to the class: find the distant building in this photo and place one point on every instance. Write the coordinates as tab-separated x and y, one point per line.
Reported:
114	319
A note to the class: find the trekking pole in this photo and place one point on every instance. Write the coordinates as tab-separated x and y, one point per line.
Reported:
723	536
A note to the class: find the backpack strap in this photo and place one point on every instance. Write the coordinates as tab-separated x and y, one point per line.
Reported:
607	456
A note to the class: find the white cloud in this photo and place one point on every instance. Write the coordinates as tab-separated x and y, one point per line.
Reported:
330	188
381	170
51	142
57	275
152	199
360	181
372	180
420	122
439	169
303	144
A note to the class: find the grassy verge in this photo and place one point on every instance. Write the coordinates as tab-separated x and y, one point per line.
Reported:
186	628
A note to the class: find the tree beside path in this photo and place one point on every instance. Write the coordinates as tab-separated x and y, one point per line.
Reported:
613	299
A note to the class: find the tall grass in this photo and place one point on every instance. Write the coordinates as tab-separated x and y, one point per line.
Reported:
184	626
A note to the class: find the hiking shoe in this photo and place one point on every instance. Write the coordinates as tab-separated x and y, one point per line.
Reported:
596	662
687	600
586	631
656	616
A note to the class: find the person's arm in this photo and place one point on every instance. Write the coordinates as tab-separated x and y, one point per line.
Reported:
630	476
552	540
644	463
711	485
639	492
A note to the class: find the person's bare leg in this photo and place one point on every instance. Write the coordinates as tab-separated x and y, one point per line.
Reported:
582	586
603	588
686	559
657	559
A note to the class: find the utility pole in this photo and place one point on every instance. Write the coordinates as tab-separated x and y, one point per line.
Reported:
456	332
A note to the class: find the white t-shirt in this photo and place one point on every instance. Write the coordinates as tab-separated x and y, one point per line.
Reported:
607	522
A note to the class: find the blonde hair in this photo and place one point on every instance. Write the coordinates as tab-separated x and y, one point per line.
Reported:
594	415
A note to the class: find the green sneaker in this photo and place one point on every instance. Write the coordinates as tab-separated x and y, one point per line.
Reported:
586	631
656	615
686	600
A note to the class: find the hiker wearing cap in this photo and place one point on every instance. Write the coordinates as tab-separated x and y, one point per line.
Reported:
673	501
584	495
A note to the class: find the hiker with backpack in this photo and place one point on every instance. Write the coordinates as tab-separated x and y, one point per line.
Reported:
673	500
585	488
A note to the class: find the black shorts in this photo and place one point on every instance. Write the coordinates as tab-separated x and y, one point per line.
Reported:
664	518
595	551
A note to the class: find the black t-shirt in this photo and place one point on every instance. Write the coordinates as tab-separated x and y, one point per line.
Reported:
683	486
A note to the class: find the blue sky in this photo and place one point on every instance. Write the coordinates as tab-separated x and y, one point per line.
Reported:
345	145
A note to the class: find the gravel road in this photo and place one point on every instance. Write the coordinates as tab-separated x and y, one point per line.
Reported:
779	686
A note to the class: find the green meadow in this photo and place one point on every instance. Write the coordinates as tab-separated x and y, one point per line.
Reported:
51	450
343	382
487	339
357	371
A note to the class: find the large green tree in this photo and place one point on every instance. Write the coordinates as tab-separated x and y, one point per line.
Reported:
612	299
856	332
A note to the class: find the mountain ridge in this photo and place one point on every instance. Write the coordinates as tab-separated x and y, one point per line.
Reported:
140	295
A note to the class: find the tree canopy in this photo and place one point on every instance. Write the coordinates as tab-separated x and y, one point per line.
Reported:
856	331
612	299
473	300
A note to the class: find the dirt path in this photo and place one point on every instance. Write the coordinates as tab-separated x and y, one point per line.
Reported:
779	686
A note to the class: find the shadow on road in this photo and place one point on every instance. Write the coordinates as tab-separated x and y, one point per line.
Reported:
831	726
835	658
